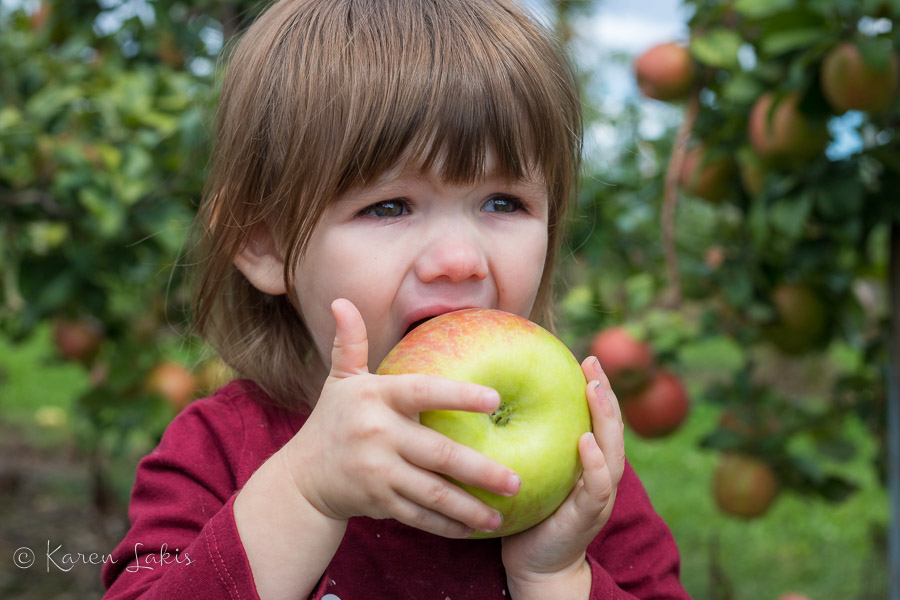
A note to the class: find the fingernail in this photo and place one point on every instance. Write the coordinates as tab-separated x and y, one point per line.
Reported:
598	368
513	485
496	522
490	399
601	393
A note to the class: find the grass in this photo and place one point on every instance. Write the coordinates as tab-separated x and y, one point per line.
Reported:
823	550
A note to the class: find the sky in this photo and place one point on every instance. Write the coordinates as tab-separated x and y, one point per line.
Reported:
633	26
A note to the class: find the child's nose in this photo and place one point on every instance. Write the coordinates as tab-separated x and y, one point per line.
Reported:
454	255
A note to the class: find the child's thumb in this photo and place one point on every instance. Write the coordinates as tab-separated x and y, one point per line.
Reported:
350	352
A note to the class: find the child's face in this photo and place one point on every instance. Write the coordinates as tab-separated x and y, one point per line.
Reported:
409	246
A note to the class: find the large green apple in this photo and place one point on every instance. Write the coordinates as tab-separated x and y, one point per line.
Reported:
543	409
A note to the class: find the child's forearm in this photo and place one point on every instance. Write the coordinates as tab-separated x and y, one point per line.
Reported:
288	542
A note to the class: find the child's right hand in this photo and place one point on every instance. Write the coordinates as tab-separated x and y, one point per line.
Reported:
363	452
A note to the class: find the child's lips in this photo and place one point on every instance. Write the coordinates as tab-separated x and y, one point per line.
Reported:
421	315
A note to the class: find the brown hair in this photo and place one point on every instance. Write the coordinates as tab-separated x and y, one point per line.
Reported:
321	97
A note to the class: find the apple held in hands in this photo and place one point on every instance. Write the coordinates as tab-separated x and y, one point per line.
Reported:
543	408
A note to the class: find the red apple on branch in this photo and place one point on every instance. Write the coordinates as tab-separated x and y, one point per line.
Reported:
744	486
849	82
627	361
703	176
780	132
78	339
173	382
658	409
665	72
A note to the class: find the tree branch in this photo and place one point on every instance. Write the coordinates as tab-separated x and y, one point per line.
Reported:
670	198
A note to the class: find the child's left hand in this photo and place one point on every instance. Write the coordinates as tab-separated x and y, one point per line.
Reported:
551	555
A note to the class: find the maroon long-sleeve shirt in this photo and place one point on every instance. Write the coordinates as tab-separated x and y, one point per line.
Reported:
183	542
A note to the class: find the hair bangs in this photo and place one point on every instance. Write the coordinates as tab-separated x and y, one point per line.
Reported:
436	86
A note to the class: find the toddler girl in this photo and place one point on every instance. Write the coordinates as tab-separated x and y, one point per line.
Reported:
377	163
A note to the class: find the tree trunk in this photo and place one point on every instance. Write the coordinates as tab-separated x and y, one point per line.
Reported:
893	421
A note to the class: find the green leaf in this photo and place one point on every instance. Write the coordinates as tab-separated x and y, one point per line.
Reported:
718	353
640	290
10	118
30	379
579	303
742	88
760	9
668	329
738	287
51	101
789	215
837	449
841	199
107	213
717	48
876	53
782	42
757	221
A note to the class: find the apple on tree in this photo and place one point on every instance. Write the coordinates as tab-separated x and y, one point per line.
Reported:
744	486
801	318
665	72
174	382
849	82
658	409
705	176
78	339
543	409
627	361
779	132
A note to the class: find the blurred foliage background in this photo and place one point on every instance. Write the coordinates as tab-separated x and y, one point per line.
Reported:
748	258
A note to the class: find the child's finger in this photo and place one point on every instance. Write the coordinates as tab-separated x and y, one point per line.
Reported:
606	417
412	514
437	453
350	353
435	494
594	372
412	393
597	488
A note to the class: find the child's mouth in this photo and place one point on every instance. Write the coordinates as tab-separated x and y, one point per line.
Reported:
416	324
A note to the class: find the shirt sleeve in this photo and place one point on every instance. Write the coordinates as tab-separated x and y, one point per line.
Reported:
183	541
635	555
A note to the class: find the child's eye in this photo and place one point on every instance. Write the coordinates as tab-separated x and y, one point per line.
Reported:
502	204
386	209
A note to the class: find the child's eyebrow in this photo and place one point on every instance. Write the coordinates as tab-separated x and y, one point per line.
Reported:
400	181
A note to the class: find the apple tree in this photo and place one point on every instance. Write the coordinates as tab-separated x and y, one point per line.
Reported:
105	111
761	232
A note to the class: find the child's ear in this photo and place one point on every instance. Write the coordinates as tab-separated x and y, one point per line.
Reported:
261	262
